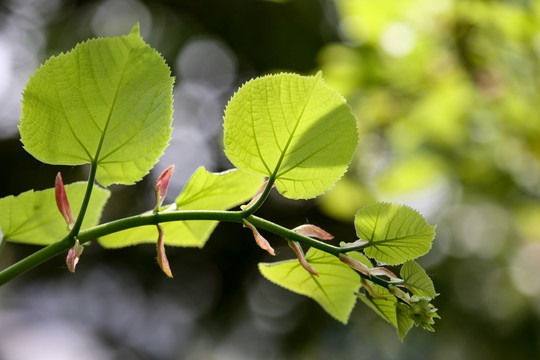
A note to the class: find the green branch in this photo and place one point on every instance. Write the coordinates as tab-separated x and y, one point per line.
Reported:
84	206
84	236
251	210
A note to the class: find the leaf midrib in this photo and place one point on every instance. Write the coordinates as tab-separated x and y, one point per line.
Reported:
387	240
284	151
104	132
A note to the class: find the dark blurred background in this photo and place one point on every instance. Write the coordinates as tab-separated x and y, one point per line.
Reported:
446	94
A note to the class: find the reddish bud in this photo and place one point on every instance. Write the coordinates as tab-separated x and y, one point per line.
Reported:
302	258
355	264
62	201
161	256
313	231
261	241
162	183
372	291
397	292
73	256
378	271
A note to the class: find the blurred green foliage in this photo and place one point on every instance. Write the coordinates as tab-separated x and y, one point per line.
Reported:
447	95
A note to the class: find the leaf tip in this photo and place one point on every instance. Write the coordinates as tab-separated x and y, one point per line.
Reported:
135	30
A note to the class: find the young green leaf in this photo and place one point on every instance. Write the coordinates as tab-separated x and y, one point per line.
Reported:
33	217
403	320
395	233
334	289
292	128
387	307
417	281
204	191
107	101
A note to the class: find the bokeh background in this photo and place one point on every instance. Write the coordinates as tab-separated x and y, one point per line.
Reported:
447	98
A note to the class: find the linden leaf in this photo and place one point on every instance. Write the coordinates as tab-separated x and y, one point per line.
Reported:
403	319
385	306
417	281
108	101
334	289
388	307
395	233
204	191
293	128
33	217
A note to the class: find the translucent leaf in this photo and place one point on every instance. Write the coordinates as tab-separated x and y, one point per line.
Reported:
293	127
108	100
33	217
334	289
385	308
396	233
204	191
417	281
403	319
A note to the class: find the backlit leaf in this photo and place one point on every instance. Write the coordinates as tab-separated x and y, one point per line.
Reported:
294	128
389	309
396	233
204	191
404	320
384	307
33	217
334	289
109	101
417	281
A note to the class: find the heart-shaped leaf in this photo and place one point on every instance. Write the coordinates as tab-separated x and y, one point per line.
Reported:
292	128
107	101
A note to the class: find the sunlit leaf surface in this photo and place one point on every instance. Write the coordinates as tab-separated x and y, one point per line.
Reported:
396	233
108	101
33	217
334	289
294	128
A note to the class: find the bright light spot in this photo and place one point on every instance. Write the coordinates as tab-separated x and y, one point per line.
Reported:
114	17
398	39
525	269
51	340
209	62
6	63
354	29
